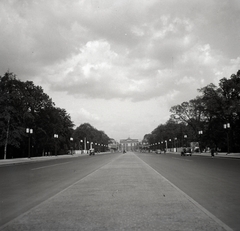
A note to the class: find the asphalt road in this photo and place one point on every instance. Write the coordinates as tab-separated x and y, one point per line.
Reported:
212	182
26	185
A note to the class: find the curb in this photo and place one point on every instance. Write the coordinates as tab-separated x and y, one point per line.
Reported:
223	155
19	161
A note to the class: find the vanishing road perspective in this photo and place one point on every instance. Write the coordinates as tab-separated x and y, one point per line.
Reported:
117	191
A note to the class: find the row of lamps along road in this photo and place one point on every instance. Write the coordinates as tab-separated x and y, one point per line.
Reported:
29	131
225	126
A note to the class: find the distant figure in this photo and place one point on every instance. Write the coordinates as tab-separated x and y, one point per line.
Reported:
91	152
183	152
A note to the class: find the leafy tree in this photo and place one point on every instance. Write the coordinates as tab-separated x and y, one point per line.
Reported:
213	108
171	130
24	105
91	134
12	129
230	89
189	113
50	121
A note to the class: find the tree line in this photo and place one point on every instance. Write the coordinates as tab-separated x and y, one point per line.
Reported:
212	118
25	107
86	131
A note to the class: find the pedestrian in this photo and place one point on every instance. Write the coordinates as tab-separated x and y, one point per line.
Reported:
212	152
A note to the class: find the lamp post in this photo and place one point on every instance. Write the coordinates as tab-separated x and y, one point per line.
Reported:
227	127
95	147
55	137
87	145
185	137
29	131
81	141
170	145
176	143
166	145
200	134
71	143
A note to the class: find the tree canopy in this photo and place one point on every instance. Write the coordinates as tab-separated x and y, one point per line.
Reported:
88	132
208	112
24	105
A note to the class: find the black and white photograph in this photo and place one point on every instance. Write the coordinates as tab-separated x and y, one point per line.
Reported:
119	115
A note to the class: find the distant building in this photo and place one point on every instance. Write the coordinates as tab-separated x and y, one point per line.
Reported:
129	144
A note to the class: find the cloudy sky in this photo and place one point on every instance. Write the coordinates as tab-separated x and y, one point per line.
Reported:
120	65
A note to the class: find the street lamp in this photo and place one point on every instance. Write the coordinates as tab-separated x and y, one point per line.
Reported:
176	143
29	131
81	146
87	143
227	127
200	134
170	145
185	137
55	137
166	144
71	140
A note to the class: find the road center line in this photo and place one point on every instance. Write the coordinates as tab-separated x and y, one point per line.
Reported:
49	166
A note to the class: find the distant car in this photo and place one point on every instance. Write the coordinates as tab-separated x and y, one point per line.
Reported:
196	149
186	152
158	151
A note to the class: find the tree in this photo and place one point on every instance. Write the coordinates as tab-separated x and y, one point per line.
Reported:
209	111
191	114
11	131
230	89
91	134
24	105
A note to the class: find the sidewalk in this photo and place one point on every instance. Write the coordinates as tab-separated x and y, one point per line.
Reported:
34	159
125	194
39	158
219	154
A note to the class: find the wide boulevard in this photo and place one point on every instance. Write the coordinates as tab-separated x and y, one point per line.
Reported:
213	183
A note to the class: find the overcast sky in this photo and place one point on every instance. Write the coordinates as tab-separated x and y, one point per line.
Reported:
120	65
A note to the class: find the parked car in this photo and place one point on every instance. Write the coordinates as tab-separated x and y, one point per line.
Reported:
186	152
158	151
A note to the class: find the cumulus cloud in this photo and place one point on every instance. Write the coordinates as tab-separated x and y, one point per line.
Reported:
125	50
86	115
